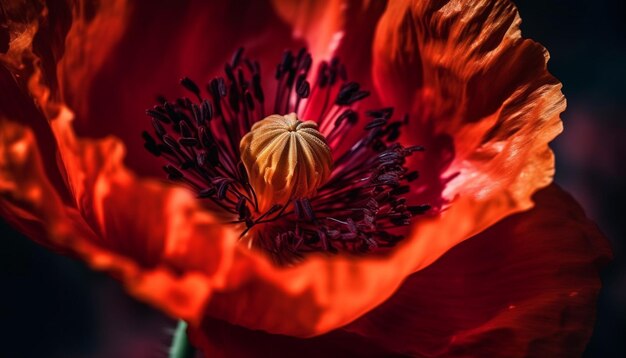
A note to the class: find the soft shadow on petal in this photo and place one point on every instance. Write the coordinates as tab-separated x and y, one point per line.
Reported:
525	287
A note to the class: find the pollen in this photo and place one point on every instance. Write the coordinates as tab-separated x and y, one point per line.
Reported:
285	158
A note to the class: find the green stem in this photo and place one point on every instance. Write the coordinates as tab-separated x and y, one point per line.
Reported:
180	347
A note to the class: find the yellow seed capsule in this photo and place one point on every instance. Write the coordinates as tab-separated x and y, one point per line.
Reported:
285	159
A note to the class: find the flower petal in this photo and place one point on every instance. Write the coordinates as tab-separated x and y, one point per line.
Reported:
155	46
138	230
525	287
73	195
461	69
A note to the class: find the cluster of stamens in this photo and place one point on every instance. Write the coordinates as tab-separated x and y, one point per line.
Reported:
357	207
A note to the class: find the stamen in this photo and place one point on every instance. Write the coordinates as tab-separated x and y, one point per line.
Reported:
275	176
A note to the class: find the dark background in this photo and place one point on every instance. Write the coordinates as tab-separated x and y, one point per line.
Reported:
52	306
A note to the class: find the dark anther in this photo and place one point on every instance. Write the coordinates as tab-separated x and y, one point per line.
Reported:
221	190
301	53
205	138
418	209
188	141
236	57
180	102
158	128
158	115
305	65
185	131
379	122
350	93
415	148
191	86
217	87
304	89
150	144
161	99
380	113
172	172
171	142
207	193
299	80
411	176
206	111
229	73
322	76
393	131
357	97
188	165
241	80
401	190
349	115
249	101
256	85
286	61
197	115
221	87
171	112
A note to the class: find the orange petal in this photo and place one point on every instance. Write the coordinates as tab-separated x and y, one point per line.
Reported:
153	238
462	69
525	287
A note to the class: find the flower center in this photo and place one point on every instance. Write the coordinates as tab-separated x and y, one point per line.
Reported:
327	183
285	159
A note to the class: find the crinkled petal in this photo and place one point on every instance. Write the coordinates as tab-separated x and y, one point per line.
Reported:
525	287
462	70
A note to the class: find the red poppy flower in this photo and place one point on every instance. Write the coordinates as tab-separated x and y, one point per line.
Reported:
334	246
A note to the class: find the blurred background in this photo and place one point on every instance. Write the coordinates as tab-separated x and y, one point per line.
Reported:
52	306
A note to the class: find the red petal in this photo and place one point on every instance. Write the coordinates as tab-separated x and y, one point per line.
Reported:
157	46
525	287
